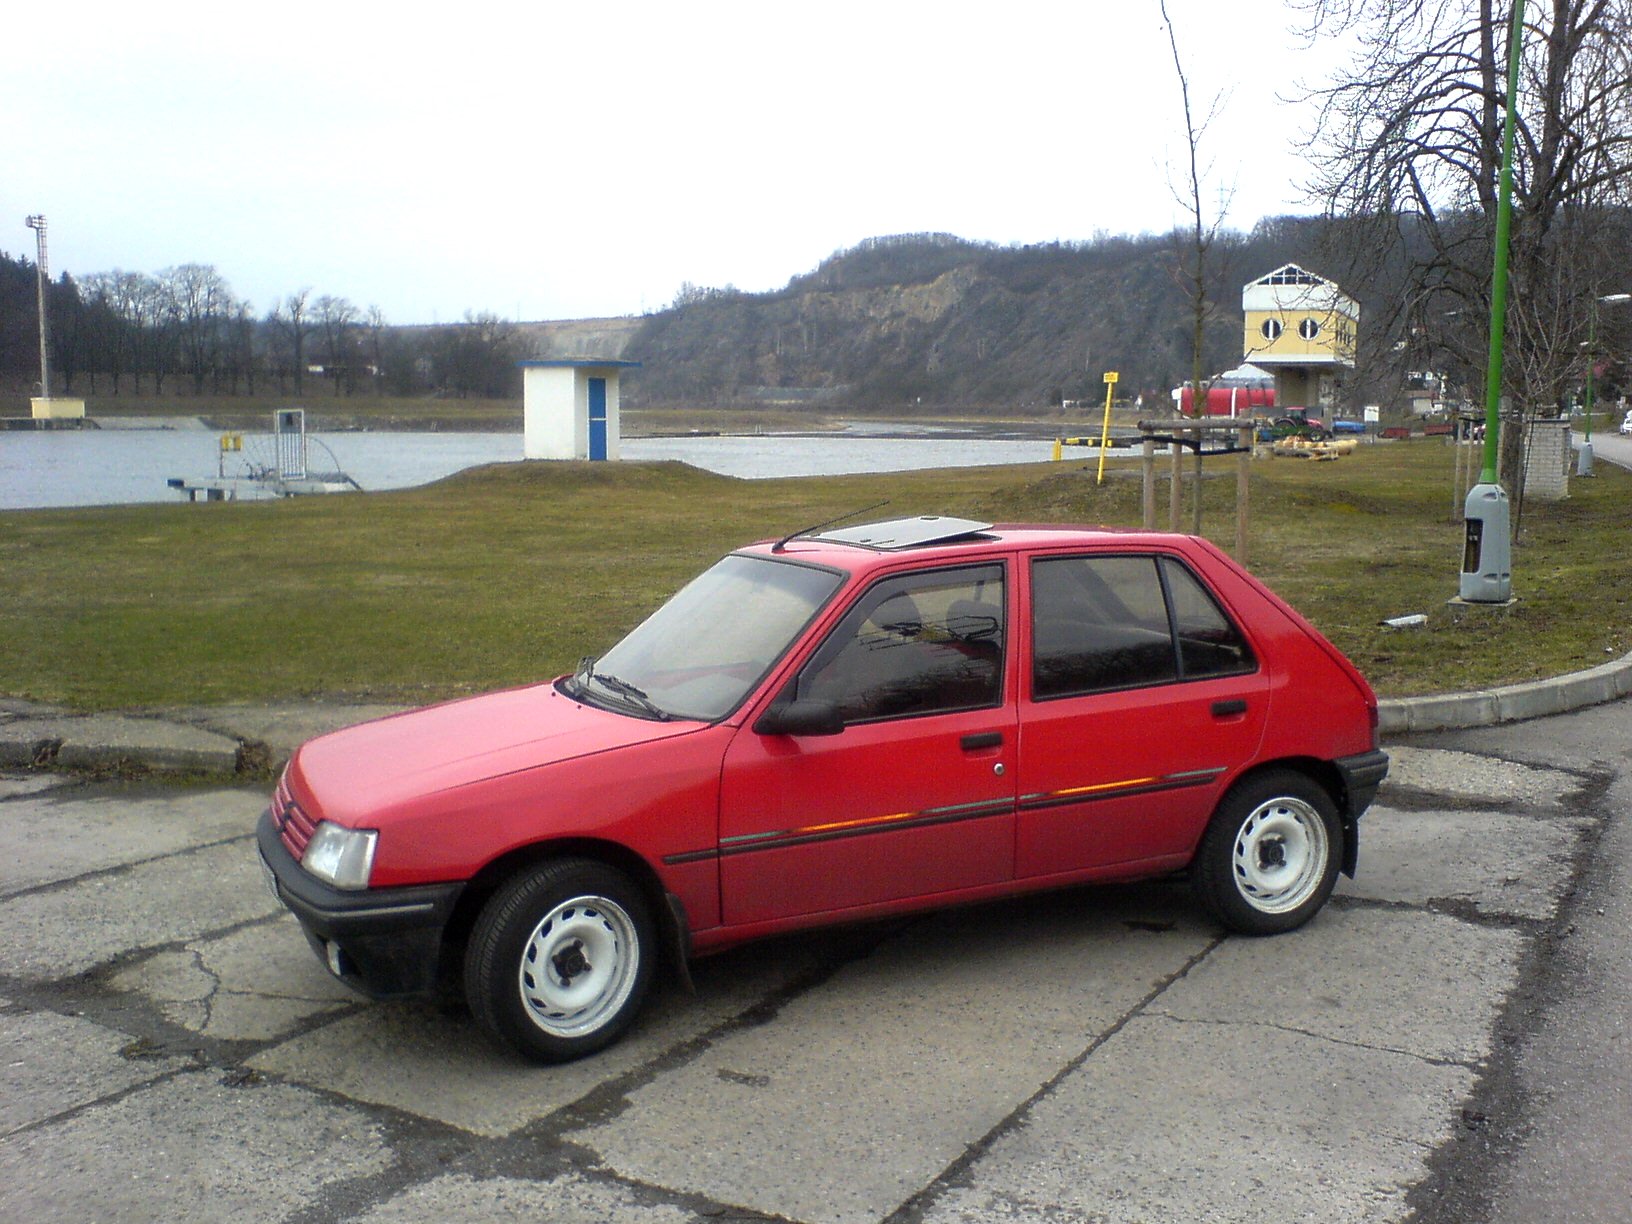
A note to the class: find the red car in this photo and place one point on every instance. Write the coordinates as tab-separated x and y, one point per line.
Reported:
835	726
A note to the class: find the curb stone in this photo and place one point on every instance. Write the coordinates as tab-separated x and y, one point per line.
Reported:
1510	703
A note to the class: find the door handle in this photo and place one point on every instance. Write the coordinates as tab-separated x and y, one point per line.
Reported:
1225	709
983	739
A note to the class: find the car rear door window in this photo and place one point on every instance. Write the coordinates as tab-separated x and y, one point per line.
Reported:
1115	622
1209	643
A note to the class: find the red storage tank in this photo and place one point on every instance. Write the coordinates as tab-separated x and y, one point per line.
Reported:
1231	401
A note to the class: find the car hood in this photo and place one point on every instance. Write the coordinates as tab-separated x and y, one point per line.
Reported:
353	775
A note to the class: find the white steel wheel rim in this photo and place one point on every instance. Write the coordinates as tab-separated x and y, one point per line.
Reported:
1280	855
578	966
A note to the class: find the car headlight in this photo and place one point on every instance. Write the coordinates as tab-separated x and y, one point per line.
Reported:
342	856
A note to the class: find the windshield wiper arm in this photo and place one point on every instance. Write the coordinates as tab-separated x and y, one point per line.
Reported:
634	693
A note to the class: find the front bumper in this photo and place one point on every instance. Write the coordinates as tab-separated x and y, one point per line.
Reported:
383	942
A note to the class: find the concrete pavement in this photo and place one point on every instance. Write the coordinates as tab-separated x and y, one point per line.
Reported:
170	1048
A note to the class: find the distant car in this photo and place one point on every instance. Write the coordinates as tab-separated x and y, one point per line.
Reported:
1626	424
828	728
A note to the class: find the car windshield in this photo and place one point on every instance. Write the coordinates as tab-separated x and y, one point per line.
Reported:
703	651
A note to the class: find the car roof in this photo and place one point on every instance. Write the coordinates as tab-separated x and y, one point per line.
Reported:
872	545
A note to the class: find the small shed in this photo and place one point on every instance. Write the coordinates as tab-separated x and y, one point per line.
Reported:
570	407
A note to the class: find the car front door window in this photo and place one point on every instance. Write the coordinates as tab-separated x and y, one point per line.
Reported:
923	644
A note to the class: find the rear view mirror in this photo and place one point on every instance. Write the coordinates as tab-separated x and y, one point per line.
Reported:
809	717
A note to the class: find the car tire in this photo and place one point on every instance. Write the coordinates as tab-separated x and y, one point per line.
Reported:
1269	858
560	960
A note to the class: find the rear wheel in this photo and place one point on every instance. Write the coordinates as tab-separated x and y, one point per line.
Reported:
560	960
1269	858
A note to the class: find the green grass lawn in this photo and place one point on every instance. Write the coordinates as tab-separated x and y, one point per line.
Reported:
510	573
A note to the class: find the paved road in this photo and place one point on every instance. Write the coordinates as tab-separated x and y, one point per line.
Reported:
169	1048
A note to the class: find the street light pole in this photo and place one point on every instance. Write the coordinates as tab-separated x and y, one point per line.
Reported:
36	223
1583	463
1487	547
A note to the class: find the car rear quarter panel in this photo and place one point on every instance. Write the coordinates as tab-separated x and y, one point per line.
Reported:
1320	706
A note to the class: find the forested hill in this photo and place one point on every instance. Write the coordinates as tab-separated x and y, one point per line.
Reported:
936	321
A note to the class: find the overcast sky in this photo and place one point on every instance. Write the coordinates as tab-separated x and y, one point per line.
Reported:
546	160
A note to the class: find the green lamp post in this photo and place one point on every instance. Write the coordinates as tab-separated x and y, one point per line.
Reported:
1487	549
1583	459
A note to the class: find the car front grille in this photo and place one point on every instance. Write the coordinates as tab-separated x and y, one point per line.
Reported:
294	826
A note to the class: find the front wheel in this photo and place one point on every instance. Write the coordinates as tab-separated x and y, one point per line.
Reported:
560	960
1269	858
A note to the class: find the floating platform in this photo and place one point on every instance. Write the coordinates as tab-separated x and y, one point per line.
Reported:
227	488
30	422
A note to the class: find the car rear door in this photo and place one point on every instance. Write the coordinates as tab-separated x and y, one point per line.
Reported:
1141	700
916	795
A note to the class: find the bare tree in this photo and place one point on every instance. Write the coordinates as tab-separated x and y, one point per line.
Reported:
292	322
199	300
376	347
1409	137
336	317
1203	234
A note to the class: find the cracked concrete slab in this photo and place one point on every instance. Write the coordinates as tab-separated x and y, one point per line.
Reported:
445	1069
572	1199
89	922
57	835
1269	1124
867	1087
1469	776
189	1151
1489	862
50	1064
258	984
1428	985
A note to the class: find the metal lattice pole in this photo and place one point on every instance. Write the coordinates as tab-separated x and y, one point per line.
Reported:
37	224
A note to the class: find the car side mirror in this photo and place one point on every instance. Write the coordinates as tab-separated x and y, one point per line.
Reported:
808	717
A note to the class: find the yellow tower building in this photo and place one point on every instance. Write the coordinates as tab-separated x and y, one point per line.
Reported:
1301	327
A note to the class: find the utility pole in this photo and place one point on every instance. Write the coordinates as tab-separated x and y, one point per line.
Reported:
1487	558
36	222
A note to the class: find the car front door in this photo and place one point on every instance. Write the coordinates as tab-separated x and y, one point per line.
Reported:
915	795
1142	700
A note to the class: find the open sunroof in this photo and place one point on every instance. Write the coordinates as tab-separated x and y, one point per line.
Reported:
907	532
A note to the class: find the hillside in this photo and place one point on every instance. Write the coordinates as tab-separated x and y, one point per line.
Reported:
930	322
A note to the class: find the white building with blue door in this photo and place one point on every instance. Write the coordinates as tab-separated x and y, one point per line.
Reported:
570	407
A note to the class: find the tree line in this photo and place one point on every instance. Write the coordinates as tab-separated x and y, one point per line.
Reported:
184	330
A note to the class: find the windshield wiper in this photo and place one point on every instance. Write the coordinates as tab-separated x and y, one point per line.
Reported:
630	692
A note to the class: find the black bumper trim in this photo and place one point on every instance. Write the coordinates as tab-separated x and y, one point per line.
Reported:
1362	775
390	939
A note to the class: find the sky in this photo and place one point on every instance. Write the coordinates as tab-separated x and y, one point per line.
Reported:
549	161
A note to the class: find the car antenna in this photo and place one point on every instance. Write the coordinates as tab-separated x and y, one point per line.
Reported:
782	544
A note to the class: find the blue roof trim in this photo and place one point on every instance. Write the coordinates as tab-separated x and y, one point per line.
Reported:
581	362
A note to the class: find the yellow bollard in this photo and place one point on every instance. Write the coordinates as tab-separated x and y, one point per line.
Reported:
1057	450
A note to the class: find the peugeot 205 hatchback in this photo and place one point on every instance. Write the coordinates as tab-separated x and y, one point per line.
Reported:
827	728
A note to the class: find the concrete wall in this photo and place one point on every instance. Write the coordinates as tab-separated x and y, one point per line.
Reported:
1547	460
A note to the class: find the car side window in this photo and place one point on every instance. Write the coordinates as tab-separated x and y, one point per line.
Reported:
924	643
1101	623
1209	643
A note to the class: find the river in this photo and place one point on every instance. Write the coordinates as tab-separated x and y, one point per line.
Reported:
89	467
